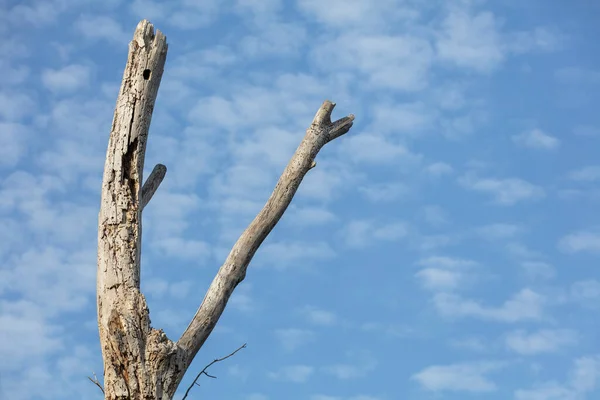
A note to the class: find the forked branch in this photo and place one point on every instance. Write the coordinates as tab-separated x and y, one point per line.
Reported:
233	271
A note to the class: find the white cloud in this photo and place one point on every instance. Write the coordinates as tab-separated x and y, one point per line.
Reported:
292	338
348	371
309	216
37	14
433	242
536	270
536	139
434	215
361	367
102	27
520	250
238	372
15	106
67	79
506	192
242	299
583	241
586	130
327	182
185	249
168	214
392	330
384	192
444	272
590	173
359	14
471	41
385	61
542	341
274	39
466	377
523	306
498	231
13	142
362	233
584	378
375	149
193	14
587	291
324	397
438	279
257	396
318	316
439	169
405	119
293	373
282	255
446	262
471	343
577	75
540	39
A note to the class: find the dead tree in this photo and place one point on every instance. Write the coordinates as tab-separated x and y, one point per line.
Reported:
140	362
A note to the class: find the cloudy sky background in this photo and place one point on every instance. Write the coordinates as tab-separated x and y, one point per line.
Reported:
446	248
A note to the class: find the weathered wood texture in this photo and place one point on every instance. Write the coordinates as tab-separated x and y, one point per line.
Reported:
141	362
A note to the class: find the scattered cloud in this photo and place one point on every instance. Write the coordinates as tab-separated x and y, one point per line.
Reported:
384	192
498	231
536	270
444	273
292	338
583	379
293	373
435	215
542	341
67	79
471	41
282	255
102	27
359	368
309	216
439	169
318	316
525	305
362	233
536	139
505	192
590	173
465	377
232	108
582	241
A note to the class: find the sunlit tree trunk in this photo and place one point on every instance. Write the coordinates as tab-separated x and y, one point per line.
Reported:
140	362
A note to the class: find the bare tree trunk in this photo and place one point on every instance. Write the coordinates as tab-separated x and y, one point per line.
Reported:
141	362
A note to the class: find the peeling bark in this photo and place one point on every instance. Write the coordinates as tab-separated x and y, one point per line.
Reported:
141	362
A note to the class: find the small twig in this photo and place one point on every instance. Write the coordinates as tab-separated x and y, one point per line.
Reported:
96	382
203	372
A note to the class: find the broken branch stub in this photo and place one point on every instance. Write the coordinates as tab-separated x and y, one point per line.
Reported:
152	183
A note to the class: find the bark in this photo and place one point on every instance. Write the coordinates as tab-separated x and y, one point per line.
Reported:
140	362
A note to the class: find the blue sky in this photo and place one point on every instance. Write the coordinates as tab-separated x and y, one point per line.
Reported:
446	248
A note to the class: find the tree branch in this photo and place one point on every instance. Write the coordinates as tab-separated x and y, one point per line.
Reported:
233	270
216	360
96	382
152	183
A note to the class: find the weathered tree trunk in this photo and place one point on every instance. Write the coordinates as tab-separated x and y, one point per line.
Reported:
141	362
